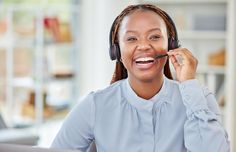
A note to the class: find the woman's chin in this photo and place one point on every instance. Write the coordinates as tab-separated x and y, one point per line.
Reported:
148	78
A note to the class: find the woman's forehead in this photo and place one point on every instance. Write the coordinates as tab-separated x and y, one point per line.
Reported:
140	18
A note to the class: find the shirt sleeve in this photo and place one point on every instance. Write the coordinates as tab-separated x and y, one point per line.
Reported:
77	129
202	130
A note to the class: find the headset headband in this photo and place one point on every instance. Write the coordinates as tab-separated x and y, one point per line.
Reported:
114	50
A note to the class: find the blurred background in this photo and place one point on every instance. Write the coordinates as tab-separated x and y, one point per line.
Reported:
54	52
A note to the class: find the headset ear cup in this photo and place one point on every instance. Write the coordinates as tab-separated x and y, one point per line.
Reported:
118	56
173	44
114	52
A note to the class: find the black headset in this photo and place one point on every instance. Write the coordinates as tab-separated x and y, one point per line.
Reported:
114	49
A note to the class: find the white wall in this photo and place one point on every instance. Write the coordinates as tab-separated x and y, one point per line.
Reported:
230	109
95	66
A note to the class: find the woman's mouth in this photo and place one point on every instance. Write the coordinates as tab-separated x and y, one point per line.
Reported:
144	60
144	63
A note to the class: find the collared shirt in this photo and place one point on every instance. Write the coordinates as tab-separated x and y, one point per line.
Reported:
181	117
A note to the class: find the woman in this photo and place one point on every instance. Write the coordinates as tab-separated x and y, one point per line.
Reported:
143	110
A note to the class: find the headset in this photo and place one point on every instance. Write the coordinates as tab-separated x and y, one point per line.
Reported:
114	48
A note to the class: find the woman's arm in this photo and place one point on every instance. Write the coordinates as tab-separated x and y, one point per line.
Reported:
202	129
77	129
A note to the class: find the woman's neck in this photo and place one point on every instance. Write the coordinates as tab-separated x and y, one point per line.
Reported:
146	89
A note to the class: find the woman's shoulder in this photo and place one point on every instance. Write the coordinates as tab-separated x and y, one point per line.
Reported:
111	92
172	84
111	88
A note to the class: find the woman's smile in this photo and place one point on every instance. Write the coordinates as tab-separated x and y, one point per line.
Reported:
144	63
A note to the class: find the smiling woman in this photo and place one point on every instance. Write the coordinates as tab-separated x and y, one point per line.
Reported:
143	109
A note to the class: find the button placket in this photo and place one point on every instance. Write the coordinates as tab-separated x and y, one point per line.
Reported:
148	134
156	117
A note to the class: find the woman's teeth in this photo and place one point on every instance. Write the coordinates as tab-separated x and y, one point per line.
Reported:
144	60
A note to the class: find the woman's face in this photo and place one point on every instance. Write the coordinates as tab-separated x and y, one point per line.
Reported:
143	35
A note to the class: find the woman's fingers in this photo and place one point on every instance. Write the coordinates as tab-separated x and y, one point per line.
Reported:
174	61
184	63
183	56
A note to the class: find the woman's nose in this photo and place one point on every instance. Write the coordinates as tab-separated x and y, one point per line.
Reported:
143	45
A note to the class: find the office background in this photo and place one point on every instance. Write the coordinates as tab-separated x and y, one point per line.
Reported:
54	52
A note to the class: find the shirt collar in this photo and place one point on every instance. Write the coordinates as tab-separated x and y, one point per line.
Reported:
161	96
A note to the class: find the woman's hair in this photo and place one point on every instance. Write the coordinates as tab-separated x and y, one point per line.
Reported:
120	71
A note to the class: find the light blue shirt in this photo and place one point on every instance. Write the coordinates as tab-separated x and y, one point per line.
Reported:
181	117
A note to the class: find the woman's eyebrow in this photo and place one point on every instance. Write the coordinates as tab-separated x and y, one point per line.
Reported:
151	30
155	29
130	31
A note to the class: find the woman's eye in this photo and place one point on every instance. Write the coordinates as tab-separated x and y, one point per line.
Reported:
131	39
154	37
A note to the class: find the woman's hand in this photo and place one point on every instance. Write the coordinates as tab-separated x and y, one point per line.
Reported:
184	62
